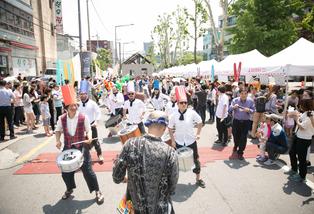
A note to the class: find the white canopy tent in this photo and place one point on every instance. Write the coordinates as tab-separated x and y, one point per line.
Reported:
205	67
295	60
248	61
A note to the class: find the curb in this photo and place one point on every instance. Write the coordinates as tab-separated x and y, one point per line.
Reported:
10	142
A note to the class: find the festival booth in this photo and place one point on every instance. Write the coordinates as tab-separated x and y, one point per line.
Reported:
206	68
295	60
239	64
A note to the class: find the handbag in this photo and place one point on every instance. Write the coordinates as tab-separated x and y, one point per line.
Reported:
228	120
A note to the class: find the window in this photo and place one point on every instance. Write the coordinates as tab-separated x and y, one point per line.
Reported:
52	29
3	15
15	20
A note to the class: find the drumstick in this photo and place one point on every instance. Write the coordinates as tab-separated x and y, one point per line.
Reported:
83	141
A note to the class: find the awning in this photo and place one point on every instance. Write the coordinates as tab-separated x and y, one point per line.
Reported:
21	45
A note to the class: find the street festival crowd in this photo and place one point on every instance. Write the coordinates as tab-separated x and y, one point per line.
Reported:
148	162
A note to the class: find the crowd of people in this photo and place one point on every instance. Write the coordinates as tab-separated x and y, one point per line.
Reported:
276	123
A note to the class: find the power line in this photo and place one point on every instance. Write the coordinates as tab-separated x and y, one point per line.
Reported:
99	18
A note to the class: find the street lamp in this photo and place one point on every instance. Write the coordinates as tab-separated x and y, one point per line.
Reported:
115	40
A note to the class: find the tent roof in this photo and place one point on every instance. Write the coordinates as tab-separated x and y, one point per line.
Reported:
248	60
300	53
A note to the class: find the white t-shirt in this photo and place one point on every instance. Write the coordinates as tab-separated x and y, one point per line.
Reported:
169	110
116	101
223	100
136	111
159	103
72	124
91	110
184	129
308	130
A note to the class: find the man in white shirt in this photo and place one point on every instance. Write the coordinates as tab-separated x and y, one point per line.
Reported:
221	115
135	108
76	128
171	106
116	102
181	130
90	109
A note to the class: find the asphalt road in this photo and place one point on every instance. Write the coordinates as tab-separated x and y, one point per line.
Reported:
232	186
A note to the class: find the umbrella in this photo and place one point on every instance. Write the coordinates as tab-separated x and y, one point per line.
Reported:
178	79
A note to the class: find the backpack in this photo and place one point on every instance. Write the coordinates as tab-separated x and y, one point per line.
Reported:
260	104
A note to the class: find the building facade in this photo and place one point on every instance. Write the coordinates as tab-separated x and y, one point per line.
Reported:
45	34
209	46
27	38
17	41
65	47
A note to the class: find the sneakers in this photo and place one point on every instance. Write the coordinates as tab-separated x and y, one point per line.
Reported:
217	141
261	158
12	137
240	157
100	158
297	178
200	183
291	172
99	197
269	162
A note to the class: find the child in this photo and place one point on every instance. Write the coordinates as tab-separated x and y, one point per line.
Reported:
44	108
289	122
263	133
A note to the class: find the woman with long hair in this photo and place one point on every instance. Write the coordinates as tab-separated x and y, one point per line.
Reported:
28	109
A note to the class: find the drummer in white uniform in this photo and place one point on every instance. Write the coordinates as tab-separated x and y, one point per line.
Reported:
135	108
171	106
181	130
116	102
158	99
90	109
76	128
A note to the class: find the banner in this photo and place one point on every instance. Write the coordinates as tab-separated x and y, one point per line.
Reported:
59	73
59	19
213	74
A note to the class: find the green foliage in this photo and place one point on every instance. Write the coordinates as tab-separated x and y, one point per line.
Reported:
198	18
104	59
306	24
188	58
151	56
264	25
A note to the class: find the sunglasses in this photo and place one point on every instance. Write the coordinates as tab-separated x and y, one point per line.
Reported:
130	93
182	103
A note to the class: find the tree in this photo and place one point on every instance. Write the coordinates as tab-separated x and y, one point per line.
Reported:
181	38
163	36
264	25
189	57
219	40
151	56
104	59
198	19
305	22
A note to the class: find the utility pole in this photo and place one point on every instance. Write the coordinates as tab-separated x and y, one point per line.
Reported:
120	69
80	34
79	20
88	27
115	45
